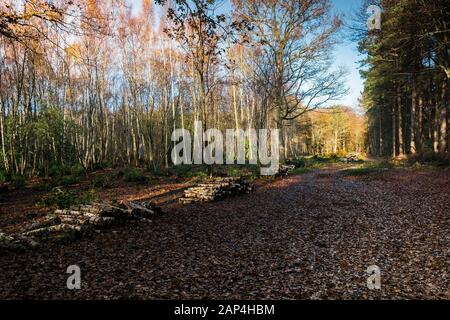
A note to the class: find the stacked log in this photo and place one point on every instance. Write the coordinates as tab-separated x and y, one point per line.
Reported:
16	242
8	242
56	233
78	221
48	222
351	158
216	189
101	215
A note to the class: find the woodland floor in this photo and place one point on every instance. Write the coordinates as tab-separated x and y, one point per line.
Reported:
309	236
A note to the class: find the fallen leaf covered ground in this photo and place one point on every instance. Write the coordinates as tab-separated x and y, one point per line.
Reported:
310	236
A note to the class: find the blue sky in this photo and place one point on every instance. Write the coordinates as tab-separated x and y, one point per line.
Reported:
348	56
346	52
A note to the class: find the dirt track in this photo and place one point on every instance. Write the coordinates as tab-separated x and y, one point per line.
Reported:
302	237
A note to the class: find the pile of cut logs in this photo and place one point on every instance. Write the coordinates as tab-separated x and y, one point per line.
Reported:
78	221
216	189
284	170
102	215
351	158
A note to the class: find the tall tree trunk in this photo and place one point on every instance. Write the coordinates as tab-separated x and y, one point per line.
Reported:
435	118
172	92
420	122
401	148
394	130
380	130
443	142
236	119
413	149
2	136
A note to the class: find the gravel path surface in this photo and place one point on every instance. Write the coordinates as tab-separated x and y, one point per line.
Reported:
303	237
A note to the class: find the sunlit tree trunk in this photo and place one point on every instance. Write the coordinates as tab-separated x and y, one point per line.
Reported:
413	126
444	105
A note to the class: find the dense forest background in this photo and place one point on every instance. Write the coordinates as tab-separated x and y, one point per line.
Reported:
92	84
406	93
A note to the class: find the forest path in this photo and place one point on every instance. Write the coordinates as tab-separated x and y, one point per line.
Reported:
309	236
